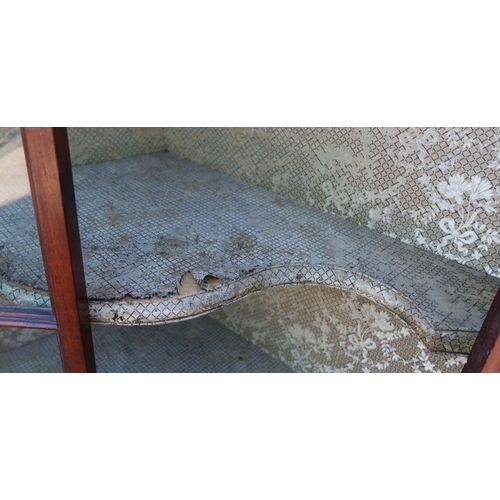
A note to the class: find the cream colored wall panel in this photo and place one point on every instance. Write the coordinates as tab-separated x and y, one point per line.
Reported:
97	144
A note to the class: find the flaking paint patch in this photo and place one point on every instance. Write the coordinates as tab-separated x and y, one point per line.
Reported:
188	285
210	283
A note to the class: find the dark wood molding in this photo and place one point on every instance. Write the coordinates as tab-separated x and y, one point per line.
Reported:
27	317
485	353
51	180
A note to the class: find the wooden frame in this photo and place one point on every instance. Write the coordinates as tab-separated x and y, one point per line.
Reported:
485	353
51	181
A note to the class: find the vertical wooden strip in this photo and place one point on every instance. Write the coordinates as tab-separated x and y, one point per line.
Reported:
51	180
485	353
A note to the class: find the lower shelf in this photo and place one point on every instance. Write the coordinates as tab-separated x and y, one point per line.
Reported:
198	346
165	239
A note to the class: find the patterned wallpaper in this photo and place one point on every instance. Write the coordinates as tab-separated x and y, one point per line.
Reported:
96	144
321	329
435	188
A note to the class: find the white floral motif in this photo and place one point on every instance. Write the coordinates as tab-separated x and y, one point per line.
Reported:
410	183
343	333
456	202
489	237
469	198
455	188
358	343
456	235
480	189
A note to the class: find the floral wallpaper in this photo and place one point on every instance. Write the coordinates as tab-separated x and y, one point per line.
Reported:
321	329
432	187
435	188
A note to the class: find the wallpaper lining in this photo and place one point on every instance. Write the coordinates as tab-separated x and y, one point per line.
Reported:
319	329
435	188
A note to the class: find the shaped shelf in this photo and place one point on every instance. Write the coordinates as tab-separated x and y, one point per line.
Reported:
165	239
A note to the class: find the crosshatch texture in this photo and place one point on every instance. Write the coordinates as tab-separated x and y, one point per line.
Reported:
434	188
14	185
96	144
199	346
431	187
318	329
146	221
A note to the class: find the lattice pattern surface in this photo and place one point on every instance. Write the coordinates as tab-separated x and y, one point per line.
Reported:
96	144
164	239
433	187
198	346
323	329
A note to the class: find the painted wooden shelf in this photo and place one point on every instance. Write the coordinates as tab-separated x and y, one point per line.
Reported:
165	239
